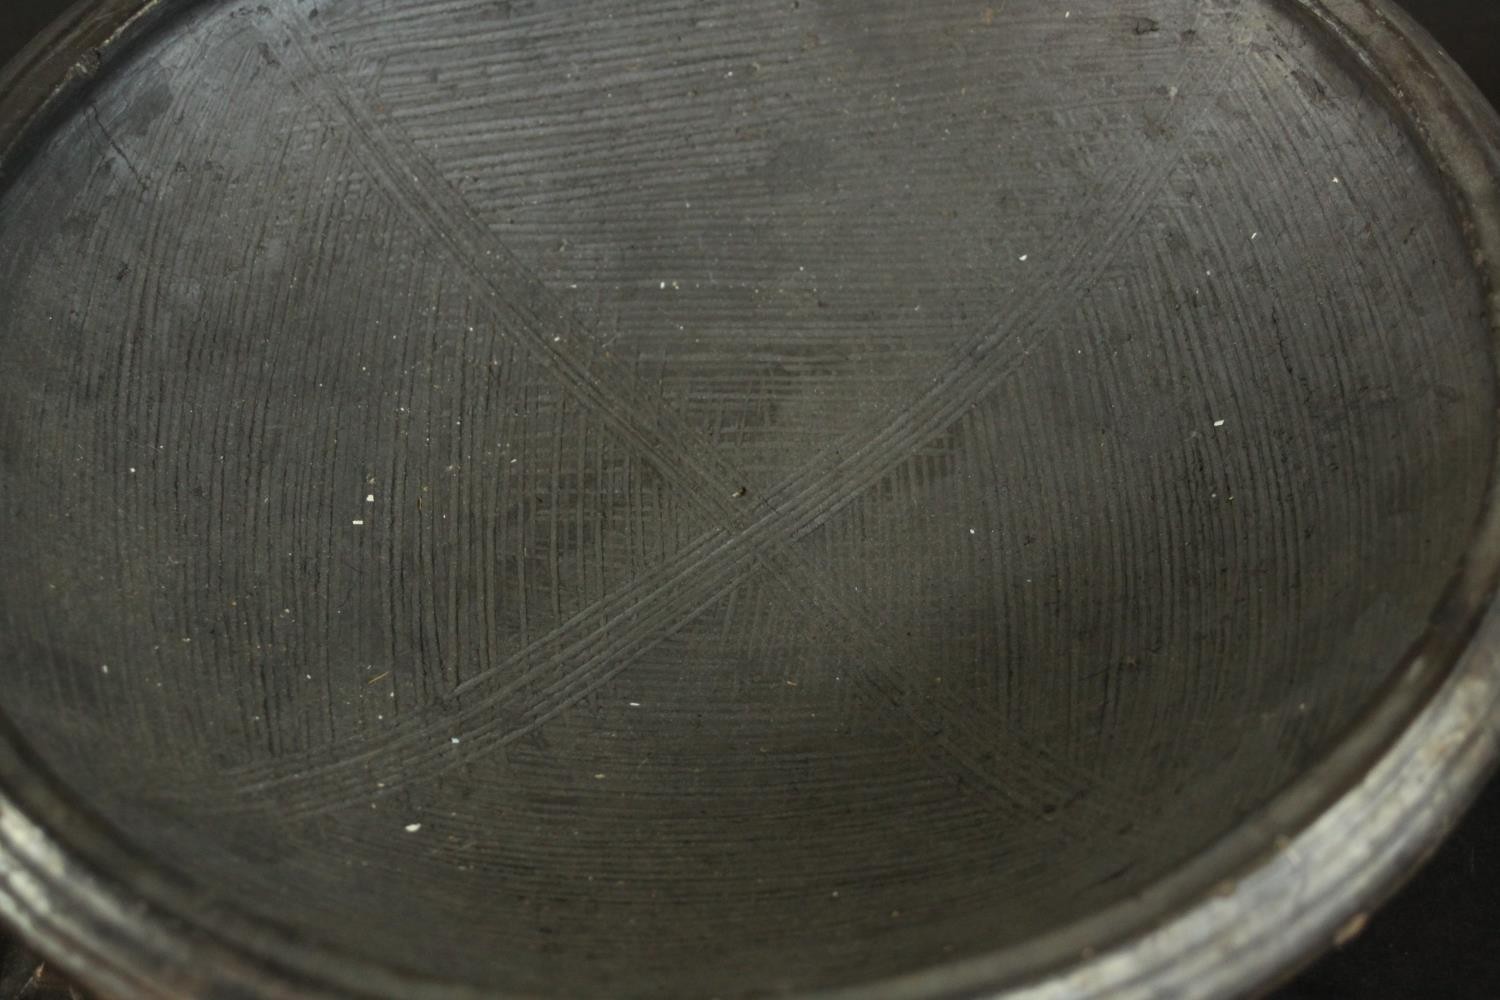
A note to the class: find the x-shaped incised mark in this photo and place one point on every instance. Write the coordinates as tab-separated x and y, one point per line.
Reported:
539	681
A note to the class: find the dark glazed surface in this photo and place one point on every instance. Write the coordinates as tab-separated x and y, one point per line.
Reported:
706	499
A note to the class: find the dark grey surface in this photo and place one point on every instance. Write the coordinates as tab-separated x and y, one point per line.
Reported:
1437	937
1117	486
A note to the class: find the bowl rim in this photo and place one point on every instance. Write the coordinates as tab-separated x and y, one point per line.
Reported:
1299	875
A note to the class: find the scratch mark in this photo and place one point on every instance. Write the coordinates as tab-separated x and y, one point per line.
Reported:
664	600
94	112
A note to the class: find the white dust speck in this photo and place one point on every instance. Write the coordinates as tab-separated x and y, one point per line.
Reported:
453	739
132	470
1023	257
635	704
598	776
1255	235
1067	14
369	498
1337	181
358	523
973	532
413	827
664	286
1172	92
104	667
1220	423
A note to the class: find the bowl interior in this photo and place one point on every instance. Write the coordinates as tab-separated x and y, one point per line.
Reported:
716	498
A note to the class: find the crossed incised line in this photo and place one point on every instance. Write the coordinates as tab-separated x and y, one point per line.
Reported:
541	680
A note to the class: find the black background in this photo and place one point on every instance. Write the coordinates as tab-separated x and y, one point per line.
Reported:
1439	937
